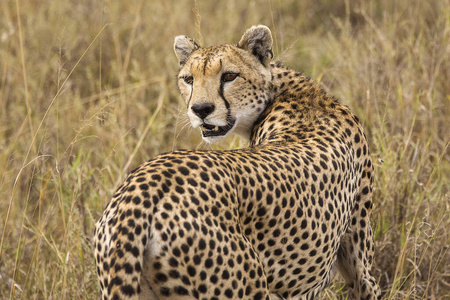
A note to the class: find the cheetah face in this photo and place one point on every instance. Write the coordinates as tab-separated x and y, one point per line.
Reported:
225	87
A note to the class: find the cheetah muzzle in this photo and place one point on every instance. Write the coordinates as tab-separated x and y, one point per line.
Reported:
217	131
274	220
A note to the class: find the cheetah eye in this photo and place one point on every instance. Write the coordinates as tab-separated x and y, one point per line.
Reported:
227	77
188	79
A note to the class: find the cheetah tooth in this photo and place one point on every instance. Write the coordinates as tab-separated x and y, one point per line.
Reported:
216	128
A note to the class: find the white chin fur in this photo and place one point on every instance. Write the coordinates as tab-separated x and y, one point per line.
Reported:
243	132
213	139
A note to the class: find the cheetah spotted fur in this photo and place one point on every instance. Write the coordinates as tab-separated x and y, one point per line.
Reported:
275	220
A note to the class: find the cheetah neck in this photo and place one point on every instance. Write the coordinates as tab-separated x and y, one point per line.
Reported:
299	105
288	82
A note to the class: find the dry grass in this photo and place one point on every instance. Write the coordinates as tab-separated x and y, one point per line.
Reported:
87	92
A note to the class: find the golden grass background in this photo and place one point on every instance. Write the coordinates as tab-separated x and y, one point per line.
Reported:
87	92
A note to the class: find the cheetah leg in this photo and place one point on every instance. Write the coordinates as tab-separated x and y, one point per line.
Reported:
119	251
355	254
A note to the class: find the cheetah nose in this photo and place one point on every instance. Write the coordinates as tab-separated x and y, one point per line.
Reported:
203	110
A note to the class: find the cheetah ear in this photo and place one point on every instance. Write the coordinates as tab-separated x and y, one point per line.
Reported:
258	41
183	48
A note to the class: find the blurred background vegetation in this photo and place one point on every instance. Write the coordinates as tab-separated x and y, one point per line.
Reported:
87	92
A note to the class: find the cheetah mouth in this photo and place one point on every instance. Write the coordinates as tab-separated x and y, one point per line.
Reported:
209	130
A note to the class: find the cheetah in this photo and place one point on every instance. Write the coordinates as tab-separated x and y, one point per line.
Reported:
274	220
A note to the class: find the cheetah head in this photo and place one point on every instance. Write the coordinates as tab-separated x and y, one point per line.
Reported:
225	87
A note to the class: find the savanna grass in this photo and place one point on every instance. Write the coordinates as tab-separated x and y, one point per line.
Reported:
87	93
